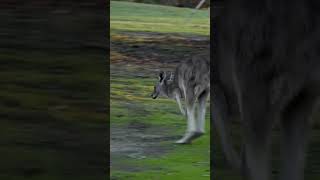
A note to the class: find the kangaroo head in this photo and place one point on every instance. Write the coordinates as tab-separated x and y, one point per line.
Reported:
160	89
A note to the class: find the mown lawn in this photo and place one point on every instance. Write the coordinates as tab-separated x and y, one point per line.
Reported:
125	16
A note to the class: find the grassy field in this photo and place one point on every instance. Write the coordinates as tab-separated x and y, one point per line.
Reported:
155	18
145	39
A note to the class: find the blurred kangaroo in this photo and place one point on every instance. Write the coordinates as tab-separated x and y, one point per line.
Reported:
266	69
191	81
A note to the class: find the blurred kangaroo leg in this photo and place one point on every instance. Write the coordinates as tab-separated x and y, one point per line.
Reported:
257	118
296	126
222	124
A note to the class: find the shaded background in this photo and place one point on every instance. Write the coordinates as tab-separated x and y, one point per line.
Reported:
53	93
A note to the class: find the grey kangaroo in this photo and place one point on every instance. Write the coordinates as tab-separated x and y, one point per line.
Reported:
266	69
191	82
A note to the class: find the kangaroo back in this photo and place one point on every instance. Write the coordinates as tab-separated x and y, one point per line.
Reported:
194	74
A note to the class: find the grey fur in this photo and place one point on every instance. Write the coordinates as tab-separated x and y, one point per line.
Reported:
191	82
266	68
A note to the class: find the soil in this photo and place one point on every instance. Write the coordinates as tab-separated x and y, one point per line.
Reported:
138	141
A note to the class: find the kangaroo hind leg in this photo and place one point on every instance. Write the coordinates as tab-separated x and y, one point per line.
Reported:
191	132
178	99
202	111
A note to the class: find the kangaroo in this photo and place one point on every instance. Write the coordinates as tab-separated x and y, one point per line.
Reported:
266	69
191	82
167	88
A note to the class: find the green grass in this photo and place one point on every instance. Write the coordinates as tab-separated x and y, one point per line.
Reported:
185	162
130	94
181	162
130	101
127	16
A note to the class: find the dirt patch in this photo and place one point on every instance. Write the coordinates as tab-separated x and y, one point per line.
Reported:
138	141
165	36
155	49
